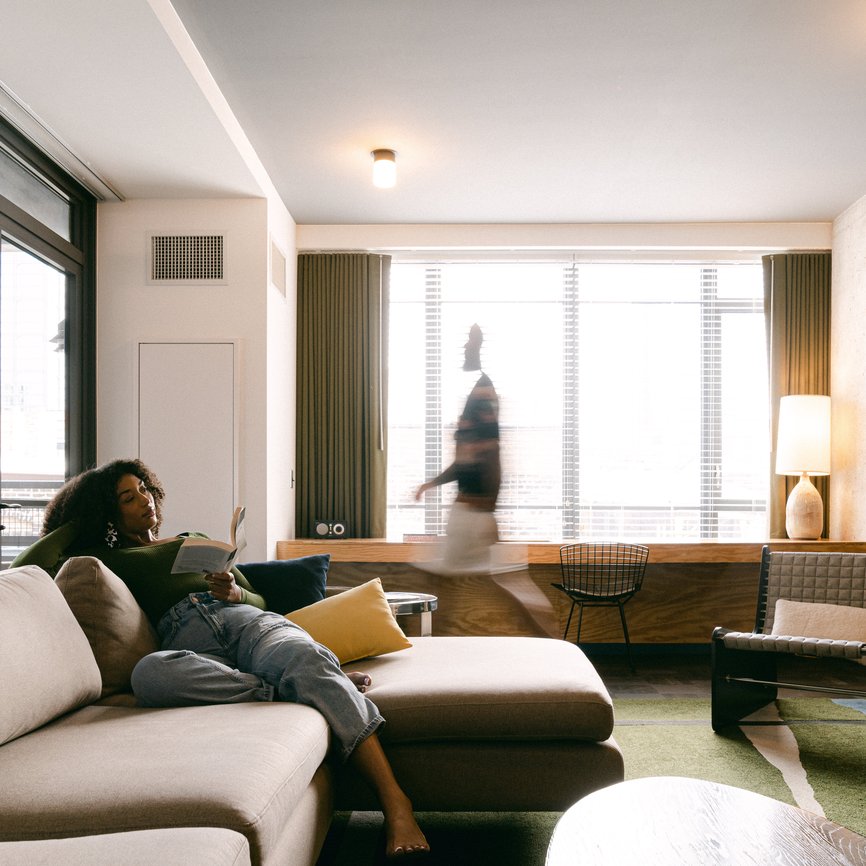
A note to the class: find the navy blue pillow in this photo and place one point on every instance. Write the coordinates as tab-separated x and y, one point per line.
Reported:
289	584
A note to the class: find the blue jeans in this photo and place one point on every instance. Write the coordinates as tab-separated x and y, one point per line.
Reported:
215	653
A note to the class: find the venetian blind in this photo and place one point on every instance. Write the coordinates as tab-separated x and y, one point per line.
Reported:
633	396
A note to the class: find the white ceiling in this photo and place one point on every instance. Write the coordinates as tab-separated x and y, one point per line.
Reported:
554	111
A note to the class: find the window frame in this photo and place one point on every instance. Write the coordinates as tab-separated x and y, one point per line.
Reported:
76	257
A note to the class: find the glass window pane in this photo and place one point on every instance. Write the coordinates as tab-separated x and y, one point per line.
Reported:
33	387
639	438
608	436
746	437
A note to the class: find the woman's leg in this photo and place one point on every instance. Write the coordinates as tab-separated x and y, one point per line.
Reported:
269	647
402	833
195	666
305	672
182	678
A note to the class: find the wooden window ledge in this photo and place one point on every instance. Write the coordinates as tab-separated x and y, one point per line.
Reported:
379	550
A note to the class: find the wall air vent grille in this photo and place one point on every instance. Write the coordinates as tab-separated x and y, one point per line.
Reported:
187	258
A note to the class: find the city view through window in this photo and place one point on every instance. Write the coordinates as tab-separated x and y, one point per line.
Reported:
33	379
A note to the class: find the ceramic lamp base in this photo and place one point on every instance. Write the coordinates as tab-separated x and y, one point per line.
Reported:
804	512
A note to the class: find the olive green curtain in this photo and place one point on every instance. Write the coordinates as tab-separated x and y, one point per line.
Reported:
797	312
342	392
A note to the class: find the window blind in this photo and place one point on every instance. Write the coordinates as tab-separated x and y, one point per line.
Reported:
633	395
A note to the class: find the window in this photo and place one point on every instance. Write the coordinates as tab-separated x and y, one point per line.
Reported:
47	368
633	396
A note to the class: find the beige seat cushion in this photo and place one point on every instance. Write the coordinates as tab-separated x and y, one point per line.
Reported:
107	769
46	664
118	631
818	620
811	619
489	688
175	847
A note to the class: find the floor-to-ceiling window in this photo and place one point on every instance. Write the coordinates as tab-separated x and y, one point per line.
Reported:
47	411
633	395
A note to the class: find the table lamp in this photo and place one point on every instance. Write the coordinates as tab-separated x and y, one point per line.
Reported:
803	448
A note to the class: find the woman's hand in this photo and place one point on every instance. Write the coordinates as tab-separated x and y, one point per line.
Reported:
222	586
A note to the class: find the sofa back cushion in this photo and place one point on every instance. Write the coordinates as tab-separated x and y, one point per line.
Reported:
47	665
118	631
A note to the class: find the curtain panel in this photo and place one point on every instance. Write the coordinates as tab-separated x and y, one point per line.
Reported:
797	311
342	392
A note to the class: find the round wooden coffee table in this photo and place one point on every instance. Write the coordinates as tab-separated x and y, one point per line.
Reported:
670	821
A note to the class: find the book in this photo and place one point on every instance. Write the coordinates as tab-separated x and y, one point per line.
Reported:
208	556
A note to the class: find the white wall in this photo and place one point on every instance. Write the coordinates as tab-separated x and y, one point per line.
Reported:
848	375
281	389
247	309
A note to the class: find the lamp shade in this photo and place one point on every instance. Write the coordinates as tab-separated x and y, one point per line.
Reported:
803	443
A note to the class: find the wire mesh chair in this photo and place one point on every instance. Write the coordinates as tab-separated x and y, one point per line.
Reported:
601	575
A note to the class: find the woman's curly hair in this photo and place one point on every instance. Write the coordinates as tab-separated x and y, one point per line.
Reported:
90	499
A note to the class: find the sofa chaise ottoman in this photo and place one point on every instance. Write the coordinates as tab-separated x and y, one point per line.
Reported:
491	724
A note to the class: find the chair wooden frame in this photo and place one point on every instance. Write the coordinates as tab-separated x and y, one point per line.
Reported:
601	574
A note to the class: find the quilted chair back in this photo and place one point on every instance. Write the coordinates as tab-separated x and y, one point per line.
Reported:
816	578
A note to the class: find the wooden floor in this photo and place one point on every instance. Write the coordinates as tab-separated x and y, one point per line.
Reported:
687	675
657	676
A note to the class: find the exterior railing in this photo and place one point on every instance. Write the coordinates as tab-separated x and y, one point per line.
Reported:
21	517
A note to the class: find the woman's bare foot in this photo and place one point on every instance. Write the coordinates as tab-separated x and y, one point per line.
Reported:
403	836
361	680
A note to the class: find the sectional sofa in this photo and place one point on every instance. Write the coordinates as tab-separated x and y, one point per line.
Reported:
473	723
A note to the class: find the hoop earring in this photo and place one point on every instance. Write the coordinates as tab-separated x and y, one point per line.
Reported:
110	535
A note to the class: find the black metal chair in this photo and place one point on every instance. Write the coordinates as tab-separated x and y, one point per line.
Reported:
604	574
744	665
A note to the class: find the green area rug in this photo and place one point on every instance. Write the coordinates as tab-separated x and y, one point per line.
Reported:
812	753
820	743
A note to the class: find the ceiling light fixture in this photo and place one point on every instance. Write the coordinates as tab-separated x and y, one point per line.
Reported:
384	168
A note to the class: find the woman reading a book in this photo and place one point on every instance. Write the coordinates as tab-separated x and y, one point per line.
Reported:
219	644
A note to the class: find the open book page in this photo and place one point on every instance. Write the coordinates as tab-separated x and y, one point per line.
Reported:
206	555
238	532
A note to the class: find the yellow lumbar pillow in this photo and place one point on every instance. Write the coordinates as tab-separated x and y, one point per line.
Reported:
354	624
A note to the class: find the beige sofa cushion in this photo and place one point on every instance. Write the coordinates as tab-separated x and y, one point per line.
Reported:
46	665
118	631
105	769
488	689
175	847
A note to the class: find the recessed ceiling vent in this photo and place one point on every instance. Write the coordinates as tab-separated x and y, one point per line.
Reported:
187	259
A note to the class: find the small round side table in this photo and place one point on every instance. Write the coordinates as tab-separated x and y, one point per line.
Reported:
405	603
